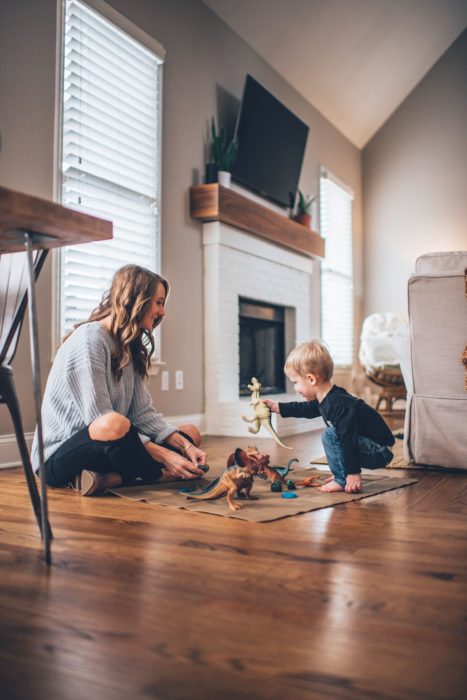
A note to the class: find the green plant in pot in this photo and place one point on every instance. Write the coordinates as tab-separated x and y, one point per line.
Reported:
224	153
303	213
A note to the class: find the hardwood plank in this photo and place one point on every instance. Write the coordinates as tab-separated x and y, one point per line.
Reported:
363	600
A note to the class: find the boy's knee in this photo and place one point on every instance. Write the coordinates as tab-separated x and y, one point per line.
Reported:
193	432
110	426
328	436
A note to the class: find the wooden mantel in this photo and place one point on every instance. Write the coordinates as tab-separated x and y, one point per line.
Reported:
216	203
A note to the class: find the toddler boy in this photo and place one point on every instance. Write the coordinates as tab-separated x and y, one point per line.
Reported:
356	435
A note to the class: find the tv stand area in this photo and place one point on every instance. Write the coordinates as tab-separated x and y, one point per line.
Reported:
216	203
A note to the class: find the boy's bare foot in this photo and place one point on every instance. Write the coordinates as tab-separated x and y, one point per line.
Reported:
331	487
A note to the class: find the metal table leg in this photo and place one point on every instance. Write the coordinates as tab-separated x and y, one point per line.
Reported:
34	339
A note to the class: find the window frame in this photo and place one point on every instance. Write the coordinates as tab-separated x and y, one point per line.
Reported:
139	35
327	174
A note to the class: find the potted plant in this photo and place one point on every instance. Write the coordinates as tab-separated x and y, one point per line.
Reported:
303	213
224	153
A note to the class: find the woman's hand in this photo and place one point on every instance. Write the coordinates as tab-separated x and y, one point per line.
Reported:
272	405
195	455
181	467
175	465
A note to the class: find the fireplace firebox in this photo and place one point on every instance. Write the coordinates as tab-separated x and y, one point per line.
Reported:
262	346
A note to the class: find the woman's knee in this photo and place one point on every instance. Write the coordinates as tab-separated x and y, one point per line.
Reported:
110	426
193	432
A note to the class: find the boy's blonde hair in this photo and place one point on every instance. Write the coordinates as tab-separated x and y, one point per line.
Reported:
311	357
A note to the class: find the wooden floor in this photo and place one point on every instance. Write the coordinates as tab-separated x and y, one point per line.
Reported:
363	600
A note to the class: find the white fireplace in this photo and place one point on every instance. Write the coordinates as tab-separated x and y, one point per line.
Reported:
240	265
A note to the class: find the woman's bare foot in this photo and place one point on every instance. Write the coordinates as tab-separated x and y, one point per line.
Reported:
331	487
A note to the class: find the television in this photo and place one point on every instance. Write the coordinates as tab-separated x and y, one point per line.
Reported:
271	145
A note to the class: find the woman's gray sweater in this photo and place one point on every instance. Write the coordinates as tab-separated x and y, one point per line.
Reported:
81	387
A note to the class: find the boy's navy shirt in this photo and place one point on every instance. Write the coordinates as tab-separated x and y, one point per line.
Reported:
349	416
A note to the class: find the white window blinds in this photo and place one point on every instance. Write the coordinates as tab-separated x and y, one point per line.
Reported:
337	270
111	113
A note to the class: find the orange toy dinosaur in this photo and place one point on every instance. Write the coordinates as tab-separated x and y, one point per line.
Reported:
314	481
237	480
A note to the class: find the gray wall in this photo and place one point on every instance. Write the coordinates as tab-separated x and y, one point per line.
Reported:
415	182
204	74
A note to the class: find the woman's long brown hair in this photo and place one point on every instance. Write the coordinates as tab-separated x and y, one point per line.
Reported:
126	302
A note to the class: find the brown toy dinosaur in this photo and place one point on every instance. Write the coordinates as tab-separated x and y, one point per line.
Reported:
237	480
276	475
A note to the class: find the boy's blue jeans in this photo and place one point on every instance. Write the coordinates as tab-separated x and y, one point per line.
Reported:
372	455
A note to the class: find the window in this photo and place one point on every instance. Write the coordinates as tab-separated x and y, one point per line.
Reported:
110	150
337	325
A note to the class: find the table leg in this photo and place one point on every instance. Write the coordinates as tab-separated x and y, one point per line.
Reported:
36	376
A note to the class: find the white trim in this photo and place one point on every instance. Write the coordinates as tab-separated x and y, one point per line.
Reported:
57	180
128	26
327	174
9	453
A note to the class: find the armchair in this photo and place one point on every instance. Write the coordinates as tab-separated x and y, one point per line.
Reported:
430	350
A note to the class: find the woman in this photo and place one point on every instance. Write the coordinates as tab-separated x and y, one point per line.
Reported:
100	427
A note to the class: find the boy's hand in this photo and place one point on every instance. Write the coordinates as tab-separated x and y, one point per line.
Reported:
272	405
353	483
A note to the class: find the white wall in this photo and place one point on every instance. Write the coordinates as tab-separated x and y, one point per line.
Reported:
415	182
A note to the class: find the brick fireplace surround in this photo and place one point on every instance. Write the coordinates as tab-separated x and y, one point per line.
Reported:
239	264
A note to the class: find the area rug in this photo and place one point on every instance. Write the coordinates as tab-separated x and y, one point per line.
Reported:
269	506
398	461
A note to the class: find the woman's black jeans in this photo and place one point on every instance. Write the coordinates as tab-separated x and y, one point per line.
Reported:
126	456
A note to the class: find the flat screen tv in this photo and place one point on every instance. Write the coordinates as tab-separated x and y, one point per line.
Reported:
271	146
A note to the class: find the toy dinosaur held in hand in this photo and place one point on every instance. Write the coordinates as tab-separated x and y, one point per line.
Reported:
261	414
237	480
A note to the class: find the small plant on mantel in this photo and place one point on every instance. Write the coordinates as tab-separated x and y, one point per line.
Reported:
303	213
224	152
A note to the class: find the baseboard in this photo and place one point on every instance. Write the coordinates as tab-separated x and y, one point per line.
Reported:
196	419
10	457
9	453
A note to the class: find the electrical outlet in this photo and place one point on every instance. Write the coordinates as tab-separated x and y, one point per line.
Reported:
179	379
165	380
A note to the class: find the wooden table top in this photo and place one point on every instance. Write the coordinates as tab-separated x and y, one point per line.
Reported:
50	224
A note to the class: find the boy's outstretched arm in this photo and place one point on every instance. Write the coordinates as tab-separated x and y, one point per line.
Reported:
272	405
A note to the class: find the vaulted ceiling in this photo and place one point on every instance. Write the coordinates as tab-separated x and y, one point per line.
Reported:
354	60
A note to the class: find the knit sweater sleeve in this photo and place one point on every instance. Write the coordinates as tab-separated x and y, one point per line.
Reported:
86	379
144	416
